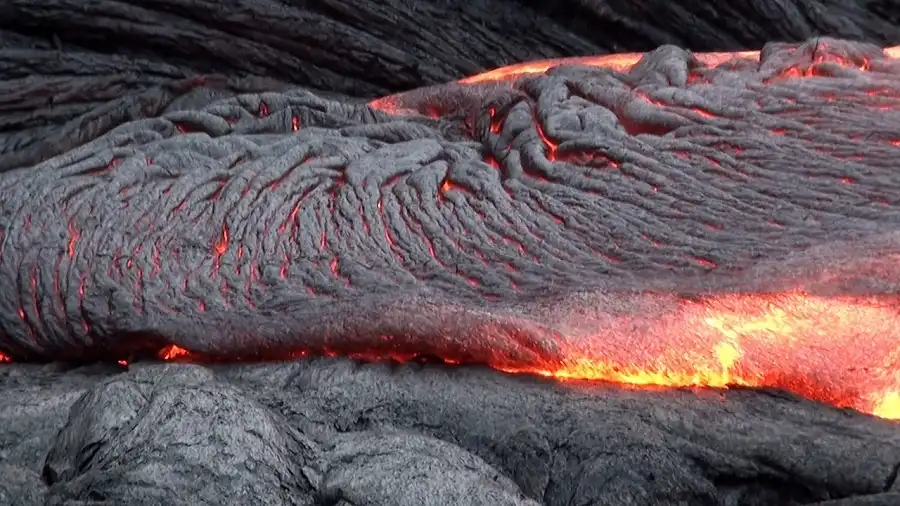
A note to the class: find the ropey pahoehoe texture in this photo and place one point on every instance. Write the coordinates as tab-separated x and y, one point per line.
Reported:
565	245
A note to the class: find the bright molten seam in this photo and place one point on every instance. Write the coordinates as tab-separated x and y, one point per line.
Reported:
620	62
842	351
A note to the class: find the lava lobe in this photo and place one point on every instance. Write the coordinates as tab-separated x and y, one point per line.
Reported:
669	219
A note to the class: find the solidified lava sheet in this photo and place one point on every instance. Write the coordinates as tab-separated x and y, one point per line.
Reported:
641	278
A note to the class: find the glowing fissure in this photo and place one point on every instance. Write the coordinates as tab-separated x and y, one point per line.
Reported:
843	351
621	62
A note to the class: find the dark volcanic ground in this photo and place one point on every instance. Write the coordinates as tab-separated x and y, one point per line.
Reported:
331	432
209	175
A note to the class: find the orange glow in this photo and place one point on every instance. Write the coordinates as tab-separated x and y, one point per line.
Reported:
173	352
621	62
74	235
222	244
399	104
841	351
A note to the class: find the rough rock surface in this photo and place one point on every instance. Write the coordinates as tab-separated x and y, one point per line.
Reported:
331	432
70	70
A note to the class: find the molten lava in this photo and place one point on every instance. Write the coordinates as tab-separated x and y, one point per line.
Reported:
621	62
844	351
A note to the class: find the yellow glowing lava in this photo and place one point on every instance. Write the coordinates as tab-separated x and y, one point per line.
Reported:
835	350
888	406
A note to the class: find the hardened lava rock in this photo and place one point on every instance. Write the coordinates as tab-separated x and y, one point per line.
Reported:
334	432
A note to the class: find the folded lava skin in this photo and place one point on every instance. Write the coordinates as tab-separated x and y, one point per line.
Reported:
545	223
308	183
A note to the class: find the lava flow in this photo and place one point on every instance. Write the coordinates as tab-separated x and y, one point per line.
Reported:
843	351
620	62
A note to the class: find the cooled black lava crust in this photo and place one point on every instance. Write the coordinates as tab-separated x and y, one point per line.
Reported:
331	432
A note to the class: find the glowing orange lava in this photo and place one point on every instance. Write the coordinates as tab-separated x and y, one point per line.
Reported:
842	351
173	352
619	62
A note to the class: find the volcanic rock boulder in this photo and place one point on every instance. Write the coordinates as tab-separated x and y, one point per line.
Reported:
134	441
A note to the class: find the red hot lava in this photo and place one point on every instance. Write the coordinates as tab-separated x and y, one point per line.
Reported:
844	351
